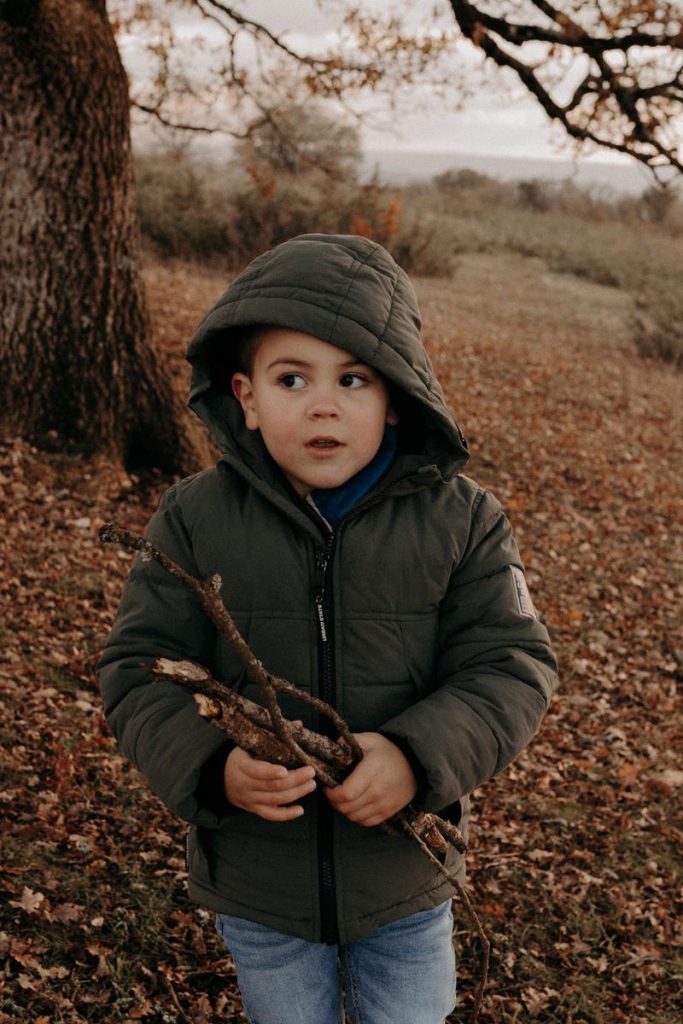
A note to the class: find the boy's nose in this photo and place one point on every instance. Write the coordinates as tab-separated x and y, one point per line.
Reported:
323	412
323	407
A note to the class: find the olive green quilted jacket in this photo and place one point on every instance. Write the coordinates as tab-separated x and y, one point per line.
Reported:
430	635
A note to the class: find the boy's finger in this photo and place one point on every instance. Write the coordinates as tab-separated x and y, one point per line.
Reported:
264	770
256	769
361	805
354	784
351	792
279	813
294	777
349	807
285	796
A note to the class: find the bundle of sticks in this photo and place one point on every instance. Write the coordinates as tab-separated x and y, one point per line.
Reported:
263	730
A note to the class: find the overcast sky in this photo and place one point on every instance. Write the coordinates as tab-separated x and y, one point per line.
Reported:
501	119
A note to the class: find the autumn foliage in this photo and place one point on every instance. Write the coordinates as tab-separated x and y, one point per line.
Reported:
575	848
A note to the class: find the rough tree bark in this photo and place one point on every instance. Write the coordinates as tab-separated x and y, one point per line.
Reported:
77	365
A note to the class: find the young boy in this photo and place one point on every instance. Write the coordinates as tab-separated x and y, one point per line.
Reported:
361	565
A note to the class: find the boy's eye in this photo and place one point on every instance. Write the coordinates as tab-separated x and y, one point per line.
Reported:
291	381
353	380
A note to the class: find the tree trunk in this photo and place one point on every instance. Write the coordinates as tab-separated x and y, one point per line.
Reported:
77	365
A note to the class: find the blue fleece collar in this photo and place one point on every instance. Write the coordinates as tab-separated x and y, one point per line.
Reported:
332	503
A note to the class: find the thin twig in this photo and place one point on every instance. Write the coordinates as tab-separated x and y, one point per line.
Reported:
198	679
208	593
472	914
174	996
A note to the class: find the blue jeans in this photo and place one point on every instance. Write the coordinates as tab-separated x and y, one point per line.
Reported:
403	973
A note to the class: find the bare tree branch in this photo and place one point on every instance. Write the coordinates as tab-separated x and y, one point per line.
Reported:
179	125
257	28
627	100
570	32
617	108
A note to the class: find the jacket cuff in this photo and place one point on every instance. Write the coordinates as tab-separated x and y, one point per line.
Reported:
416	765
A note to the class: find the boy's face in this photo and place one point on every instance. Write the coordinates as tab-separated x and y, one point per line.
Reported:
321	412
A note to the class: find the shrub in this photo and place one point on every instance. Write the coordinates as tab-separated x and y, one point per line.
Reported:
178	212
234	215
302	137
642	260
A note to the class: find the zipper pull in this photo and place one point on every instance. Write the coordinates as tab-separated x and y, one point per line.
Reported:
319	602
321	559
320	567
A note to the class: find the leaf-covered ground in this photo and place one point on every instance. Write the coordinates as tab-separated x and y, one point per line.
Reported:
575	862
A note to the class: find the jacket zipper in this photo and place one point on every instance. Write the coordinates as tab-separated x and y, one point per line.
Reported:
327	692
329	924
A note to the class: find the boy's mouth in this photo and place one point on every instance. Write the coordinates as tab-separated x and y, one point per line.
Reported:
323	442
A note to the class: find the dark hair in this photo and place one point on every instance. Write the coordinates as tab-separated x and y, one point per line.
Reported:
246	347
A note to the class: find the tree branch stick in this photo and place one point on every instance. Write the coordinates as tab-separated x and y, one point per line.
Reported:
208	594
471	912
259	742
196	678
250	726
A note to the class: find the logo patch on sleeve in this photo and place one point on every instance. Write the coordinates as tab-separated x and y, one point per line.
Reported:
525	606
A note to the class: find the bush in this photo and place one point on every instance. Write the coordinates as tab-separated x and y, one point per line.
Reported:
663	207
179	213
659	334
301	137
235	215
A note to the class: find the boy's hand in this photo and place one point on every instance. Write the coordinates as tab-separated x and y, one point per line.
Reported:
263	788
382	784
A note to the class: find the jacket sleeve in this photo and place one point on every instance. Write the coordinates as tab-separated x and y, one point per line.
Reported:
156	723
495	670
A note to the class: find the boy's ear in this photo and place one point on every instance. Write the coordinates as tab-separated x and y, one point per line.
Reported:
393	405
244	393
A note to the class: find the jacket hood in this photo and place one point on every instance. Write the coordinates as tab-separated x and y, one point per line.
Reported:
348	291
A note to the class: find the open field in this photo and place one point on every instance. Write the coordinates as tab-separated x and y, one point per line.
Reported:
575	862
630	244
